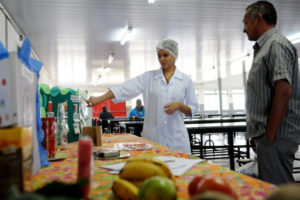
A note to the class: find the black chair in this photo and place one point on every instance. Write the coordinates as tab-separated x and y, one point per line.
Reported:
115	127
105	126
296	170
244	161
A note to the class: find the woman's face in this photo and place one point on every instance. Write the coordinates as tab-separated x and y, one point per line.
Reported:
165	59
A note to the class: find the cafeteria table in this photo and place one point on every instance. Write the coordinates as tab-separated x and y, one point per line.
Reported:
127	125
228	128
135	125
66	171
214	120
116	122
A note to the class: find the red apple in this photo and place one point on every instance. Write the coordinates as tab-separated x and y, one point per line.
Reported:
217	184
192	188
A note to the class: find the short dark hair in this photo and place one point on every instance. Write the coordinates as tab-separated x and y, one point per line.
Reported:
265	8
138	101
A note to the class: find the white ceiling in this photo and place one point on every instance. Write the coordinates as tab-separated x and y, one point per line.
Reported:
71	36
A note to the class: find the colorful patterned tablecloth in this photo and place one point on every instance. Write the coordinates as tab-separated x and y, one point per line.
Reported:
66	171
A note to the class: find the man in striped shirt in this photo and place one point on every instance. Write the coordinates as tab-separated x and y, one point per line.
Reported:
273	95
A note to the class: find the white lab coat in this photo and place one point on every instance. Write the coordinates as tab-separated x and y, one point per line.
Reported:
160	127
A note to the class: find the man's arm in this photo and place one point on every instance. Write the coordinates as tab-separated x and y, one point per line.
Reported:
283	92
131	114
111	116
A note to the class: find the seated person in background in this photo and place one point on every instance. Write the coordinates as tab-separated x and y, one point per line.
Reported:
138	112
105	114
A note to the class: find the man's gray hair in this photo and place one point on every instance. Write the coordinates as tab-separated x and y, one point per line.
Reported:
265	8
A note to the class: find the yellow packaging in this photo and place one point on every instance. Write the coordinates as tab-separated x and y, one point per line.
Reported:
15	158
93	132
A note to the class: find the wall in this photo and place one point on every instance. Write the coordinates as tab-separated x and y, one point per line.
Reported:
46	78
9	37
11	40
2	28
117	110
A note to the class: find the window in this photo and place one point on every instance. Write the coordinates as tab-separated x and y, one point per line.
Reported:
225	101
238	98
211	100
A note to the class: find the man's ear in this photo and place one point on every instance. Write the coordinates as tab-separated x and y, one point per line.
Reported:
260	18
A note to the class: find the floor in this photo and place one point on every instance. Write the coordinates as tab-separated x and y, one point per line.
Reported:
220	139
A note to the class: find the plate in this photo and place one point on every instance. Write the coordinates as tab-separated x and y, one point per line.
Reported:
58	157
133	146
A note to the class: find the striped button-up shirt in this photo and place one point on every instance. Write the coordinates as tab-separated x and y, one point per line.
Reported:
275	58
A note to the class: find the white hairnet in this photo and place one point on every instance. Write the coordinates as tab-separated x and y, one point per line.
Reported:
168	45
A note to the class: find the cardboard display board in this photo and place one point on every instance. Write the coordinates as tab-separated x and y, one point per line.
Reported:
93	132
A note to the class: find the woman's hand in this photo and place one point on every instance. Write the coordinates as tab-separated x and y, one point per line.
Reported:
92	101
172	107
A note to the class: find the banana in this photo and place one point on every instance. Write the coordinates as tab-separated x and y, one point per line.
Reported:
156	162
125	190
139	171
137	183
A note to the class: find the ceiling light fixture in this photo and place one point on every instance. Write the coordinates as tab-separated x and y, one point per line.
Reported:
127	35
151	1
294	38
110	58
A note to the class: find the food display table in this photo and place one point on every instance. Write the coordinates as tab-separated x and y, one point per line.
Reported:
66	171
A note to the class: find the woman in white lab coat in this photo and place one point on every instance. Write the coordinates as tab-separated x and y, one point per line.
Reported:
167	94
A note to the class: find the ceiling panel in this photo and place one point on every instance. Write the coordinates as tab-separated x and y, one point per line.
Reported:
72	33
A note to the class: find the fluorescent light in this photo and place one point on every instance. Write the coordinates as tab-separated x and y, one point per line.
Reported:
127	35
110	58
294	38
151	1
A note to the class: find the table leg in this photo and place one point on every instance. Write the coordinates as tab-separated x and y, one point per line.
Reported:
201	145
230	150
247	148
126	128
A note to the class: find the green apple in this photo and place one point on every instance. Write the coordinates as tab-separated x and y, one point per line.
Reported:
156	188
